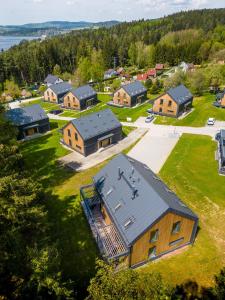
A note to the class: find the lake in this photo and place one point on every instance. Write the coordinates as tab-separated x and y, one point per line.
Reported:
8	41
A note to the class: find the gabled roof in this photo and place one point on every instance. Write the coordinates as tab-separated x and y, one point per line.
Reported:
26	115
84	92
61	88
134	88
180	94
135	197
151	72
51	79
142	76
96	124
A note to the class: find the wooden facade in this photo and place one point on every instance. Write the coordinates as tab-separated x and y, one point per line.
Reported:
121	97
166	241
71	102
50	96
165	105
222	101
72	138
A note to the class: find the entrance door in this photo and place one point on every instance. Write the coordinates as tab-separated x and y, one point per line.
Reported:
105	143
31	131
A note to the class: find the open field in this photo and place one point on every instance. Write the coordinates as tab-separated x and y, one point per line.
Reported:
191	171
203	109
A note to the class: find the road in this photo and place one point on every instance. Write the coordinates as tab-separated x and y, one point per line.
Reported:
17	103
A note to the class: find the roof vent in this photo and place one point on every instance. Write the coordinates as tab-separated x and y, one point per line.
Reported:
120	173
118	206
135	193
128	223
109	192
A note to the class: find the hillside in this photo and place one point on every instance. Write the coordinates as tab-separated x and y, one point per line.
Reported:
51	28
193	36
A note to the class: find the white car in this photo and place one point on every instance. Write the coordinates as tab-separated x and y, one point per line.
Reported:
211	121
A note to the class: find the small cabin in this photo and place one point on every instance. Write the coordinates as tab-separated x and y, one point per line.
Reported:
130	94
134	217
174	102
52	79
80	98
29	120
56	92
93	132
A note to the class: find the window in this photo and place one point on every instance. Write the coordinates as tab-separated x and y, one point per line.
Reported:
76	136
124	95
69	104
173	243
152	252
176	227
74	99
170	103
68	97
48	98
78	147
70	142
48	93
52	94
118	94
161	101
160	109
170	111
69	133
154	236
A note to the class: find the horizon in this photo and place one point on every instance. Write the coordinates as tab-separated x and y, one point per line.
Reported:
33	11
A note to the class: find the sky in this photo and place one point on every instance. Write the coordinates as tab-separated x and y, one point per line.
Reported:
17	12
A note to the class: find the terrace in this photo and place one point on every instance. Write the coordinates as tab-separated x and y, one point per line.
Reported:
107	237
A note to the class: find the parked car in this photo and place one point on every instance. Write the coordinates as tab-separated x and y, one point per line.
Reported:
211	121
56	111
149	119
149	110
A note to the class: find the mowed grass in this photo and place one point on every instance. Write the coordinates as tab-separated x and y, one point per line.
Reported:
192	172
203	109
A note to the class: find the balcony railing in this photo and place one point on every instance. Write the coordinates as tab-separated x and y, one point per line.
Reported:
109	241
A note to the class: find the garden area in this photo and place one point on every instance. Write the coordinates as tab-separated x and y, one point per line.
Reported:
202	110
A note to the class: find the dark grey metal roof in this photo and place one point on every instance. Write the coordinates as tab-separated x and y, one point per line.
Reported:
134	88
84	92
51	79
180	94
135	197
61	88
222	144
26	115
96	123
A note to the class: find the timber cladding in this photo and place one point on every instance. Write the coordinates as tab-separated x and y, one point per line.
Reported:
140	249
70	101
72	138
50	96
223	100
165	105
121	97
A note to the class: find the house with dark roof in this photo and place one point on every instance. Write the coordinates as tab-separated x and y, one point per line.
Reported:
56	92
221	152
130	94
52	79
29	120
133	215
174	102
80	98
92	132
110	74
220	99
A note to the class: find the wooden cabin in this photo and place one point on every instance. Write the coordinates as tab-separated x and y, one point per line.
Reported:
29	120
80	98
90	133
174	102
130	94
137	217
56	92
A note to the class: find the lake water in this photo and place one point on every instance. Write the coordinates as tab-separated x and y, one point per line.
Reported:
8	41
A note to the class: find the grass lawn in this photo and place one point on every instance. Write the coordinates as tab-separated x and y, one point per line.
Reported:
203	109
127	130
191	171
45	105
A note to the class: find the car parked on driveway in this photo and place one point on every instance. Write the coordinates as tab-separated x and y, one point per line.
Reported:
149	119
211	121
149	110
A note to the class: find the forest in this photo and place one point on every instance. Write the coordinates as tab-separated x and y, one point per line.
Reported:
194	36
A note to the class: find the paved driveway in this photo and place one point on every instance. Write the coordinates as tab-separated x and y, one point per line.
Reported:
78	162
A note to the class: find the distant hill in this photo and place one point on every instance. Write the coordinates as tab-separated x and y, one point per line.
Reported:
51	28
